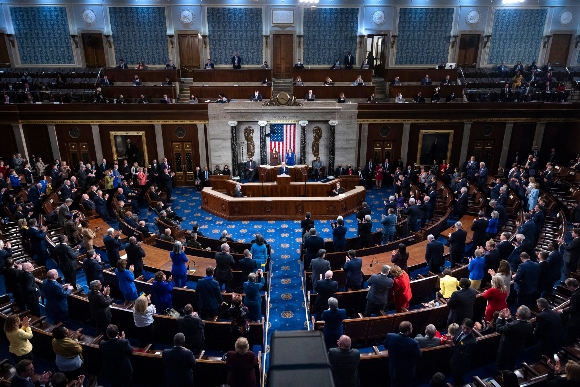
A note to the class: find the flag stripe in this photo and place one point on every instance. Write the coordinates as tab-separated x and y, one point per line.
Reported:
282	137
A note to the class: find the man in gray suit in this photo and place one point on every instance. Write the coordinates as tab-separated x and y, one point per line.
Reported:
319	266
379	287
429	340
63	211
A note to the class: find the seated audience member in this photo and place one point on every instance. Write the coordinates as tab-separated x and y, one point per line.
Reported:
450	98
298	81
256	96
142	99
399	98
121	99
209	65
328	82
137	81
426	80
429	340
193	99
299	65
106	81
446	81
222	98
141	66
419	98
170	65
167	82
436	95
341	98
310	96
266	82
358	81
98	97
365	65
396	82
165	99
265	65
336	65
122	65
371	99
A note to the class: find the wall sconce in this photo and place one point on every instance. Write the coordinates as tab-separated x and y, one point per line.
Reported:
204	39
108	40
299	40
266	38
547	39
454	40
75	39
171	41
12	42
393	40
486	40
575	46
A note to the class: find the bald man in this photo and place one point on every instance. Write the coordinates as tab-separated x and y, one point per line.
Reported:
344	362
55	296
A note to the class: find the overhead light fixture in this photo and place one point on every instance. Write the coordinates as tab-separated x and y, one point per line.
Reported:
308	1
512	1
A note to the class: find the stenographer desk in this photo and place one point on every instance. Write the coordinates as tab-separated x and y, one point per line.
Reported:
282	199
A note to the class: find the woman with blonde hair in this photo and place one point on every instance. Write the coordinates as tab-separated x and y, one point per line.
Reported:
572	372
243	367
504	271
18	337
88	235
143	312
496	297
401	290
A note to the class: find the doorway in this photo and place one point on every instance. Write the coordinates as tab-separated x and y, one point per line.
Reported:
4	56
283	55
94	50
559	49
468	50
382	150
77	152
483	151
182	152
188	52
378	53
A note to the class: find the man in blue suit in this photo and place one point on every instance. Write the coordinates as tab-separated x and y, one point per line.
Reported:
404	353
528	228
389	223
37	238
55	296
179	363
34	194
353	268
481	175
283	170
209	296
526	281
113	245
434	254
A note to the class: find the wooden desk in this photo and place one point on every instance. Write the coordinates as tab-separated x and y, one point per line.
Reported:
415	75
149	92
342	75
231	75
466	223
287	207
333	92
269	173
100	227
232	92
158	259
410	91
283	187
119	75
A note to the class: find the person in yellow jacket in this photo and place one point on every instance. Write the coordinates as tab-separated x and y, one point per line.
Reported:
18	337
448	284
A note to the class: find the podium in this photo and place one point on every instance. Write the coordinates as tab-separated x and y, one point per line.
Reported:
283	180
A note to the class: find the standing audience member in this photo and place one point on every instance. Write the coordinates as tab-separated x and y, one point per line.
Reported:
548	331
179	363
67	260
29	289
476	269
457	244
404	353
325	289
462	351
178	268
332	318
259	250
161	292
209	296
143	312
18	337
55	296
99	303
319	266
135	255
68	352
400	257
513	336
253	299
573	310
401	290
461	303
339	235
378	294
126	280
448	284
223	270
243	367
353	268
116	354
496	297
434	254
344	362
93	267
526	281
193	328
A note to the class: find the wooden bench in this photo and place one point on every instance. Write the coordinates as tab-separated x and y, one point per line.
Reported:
232	92
333	92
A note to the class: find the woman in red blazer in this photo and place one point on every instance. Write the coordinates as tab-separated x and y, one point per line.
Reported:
401	291
496	297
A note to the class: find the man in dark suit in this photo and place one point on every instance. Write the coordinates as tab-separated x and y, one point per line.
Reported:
25	373
364	211
247	265
55	296
209	296
354	275
461	203
319	266
135	255
312	245
526	280
461	302
513	336
223	271
369	172
310	96
503	217
412	212
325	289
457	244
209	65
283	170
122	65
67	260
573	311
429	340
571	252
116	357
29	289
179	363
306	224
378	294
548	330
251	169
93	267
404	353
299	64
99	303
37	236
236	61
434	254
63	211
349	60
113	246
528	228
464	346
344	362
478	227
193	328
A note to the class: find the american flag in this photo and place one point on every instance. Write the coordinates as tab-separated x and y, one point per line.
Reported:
282	137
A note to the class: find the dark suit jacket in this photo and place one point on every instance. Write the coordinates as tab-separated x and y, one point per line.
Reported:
379	287
28	287
457	243
404	353
364	232
326	289
353	270
479	236
318	266
312	245
573	310
67	257
208	294
526	277
513	339
99	304
434	253
135	256
412	213
462	203
344	363
505	249
193	329
247	265
528	229
113	246
549	332
462	351
224	262
116	358
461	305
93	270
179	363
